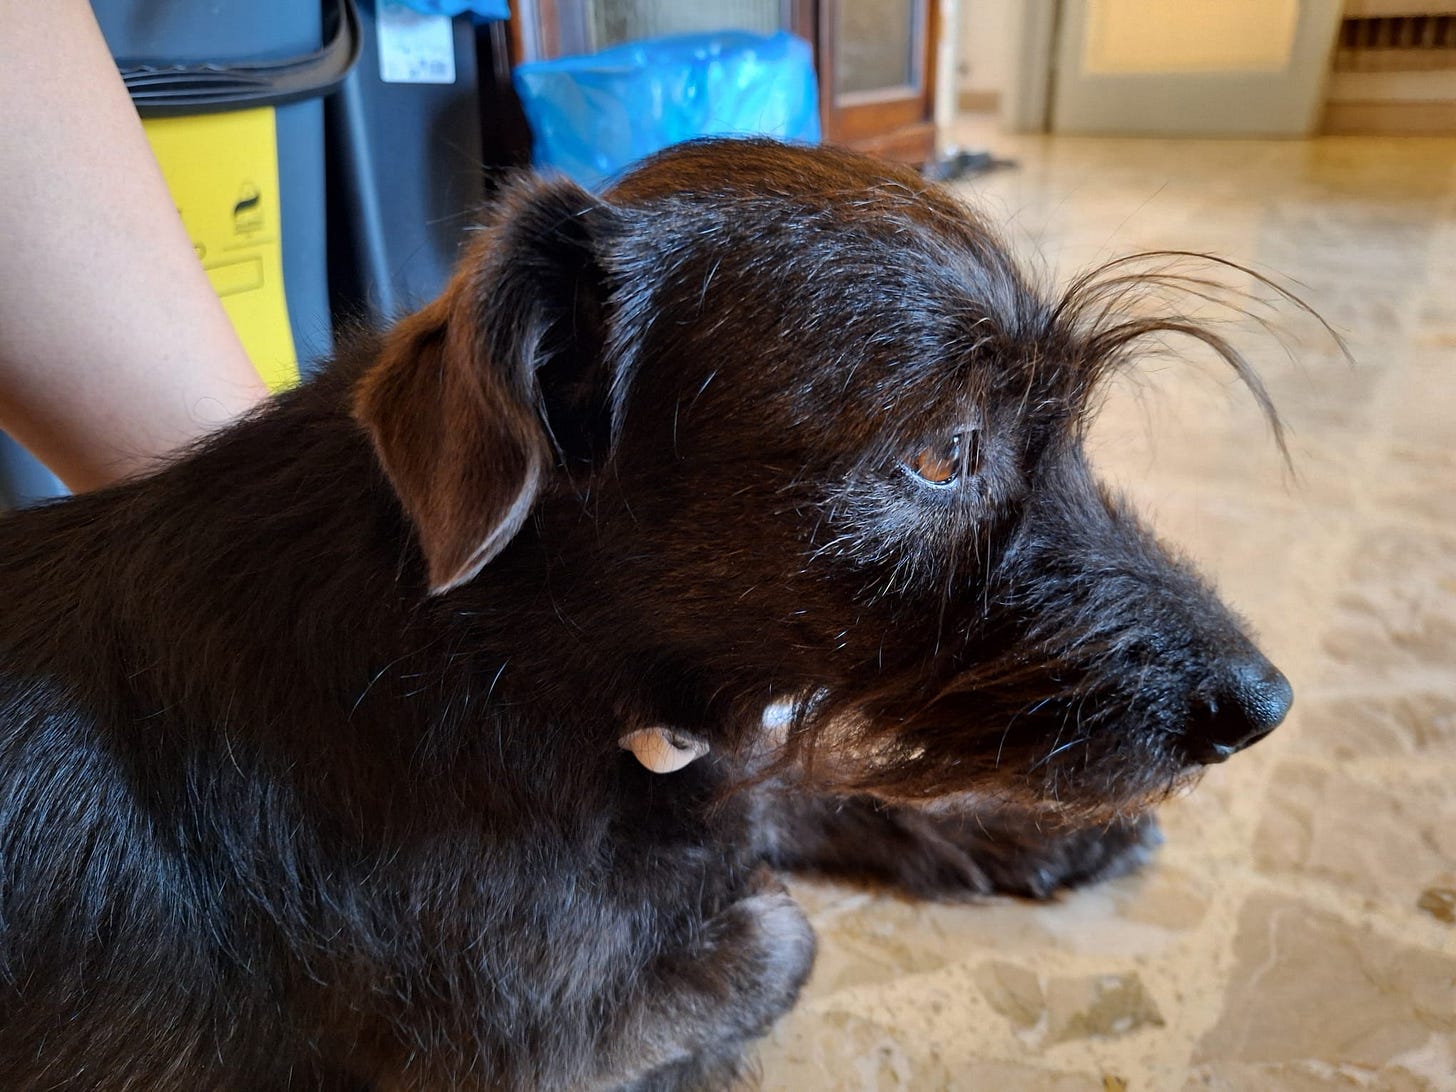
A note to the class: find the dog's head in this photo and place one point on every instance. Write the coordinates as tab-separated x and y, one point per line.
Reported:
791	424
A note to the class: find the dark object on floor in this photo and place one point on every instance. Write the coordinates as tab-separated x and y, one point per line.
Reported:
310	772
960	163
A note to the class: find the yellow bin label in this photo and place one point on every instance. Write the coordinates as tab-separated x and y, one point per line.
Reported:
222	170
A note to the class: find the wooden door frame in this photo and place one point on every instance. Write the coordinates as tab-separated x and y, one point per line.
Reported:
896	123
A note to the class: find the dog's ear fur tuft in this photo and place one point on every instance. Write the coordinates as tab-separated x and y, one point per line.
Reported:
453	403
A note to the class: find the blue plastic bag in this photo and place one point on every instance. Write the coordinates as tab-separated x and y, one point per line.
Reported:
593	116
481	9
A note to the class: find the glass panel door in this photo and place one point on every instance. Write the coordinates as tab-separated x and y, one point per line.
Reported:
876	40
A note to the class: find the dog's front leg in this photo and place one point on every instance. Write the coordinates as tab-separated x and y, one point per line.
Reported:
946	853
687	1020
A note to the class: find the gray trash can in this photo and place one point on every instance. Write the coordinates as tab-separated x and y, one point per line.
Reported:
404	161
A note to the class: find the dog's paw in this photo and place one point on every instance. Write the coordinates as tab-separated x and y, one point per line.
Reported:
720	1069
948	855
785	938
772	944
1031	861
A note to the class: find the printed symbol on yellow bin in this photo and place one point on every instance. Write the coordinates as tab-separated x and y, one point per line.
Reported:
248	210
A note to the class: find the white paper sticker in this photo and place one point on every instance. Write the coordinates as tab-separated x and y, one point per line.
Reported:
414	48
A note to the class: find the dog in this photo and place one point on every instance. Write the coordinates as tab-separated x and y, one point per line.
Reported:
312	771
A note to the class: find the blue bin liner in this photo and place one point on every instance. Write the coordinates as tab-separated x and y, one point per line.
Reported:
480	9
593	116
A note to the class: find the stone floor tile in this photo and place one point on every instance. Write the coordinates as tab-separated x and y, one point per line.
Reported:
1307	987
1388	843
1407	726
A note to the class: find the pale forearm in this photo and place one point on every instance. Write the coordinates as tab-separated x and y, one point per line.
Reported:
114	350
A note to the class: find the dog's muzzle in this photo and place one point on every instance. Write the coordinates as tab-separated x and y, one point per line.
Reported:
1252	699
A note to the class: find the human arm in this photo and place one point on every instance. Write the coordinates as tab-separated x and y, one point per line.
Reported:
114	349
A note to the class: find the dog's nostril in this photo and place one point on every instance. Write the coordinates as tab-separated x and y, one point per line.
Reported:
1250	705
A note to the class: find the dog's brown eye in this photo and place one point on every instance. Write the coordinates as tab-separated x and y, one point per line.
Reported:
940	463
945	462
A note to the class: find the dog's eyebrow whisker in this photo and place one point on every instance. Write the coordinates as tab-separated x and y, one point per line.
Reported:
1099	304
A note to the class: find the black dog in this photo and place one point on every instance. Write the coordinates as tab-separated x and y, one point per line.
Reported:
309	761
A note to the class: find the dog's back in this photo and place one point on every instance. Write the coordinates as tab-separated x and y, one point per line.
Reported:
144	627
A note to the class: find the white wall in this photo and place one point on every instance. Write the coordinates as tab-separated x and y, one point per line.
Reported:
986	41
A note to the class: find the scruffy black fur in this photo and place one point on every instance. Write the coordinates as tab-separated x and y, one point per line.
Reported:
309	763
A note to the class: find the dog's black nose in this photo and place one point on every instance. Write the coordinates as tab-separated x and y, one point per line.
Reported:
1249	705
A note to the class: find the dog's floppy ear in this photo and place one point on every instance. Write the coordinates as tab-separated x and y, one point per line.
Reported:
453	404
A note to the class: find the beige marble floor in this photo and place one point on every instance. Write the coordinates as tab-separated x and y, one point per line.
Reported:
1298	930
